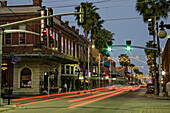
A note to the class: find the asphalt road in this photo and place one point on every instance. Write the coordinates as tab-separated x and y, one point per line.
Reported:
121	102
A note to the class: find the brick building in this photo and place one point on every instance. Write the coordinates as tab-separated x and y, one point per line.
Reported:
26	61
166	63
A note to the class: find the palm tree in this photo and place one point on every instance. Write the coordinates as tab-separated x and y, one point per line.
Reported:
153	9
150	8
92	18
96	27
102	37
150	53
124	60
131	67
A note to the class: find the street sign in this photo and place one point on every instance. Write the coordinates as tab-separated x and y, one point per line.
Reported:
16	59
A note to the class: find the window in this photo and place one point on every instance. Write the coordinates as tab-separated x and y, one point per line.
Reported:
56	40
79	52
66	45
72	70
62	69
25	78
22	36
71	48
75	50
8	38
67	69
62	44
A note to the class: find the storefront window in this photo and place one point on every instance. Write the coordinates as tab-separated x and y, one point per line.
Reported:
25	78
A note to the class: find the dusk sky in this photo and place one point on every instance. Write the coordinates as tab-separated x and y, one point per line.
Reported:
121	18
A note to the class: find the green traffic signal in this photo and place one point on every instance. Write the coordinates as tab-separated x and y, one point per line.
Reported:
128	45
109	46
109	49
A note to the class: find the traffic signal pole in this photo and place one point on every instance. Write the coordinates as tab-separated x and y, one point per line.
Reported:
154	56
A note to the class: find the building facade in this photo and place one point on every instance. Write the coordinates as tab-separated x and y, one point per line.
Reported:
166	64
28	63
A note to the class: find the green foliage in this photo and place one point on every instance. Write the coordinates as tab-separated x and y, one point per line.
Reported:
151	8
102	37
124	60
91	17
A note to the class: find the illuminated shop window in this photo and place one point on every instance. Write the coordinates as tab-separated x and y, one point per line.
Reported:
25	78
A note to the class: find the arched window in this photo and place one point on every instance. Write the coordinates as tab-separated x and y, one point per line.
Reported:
25	78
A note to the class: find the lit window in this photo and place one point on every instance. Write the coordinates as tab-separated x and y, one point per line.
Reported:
66	45
56	40
25	78
71	48
62	44
22	36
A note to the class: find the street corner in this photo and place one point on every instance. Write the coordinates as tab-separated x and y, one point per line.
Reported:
7	107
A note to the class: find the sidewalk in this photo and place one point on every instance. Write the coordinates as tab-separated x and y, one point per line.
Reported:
6	107
157	96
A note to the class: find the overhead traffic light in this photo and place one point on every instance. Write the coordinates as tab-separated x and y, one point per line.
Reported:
44	37
151	26
49	21
109	46
51	40
81	17
128	45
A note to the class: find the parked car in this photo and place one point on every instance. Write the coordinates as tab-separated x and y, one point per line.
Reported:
150	88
